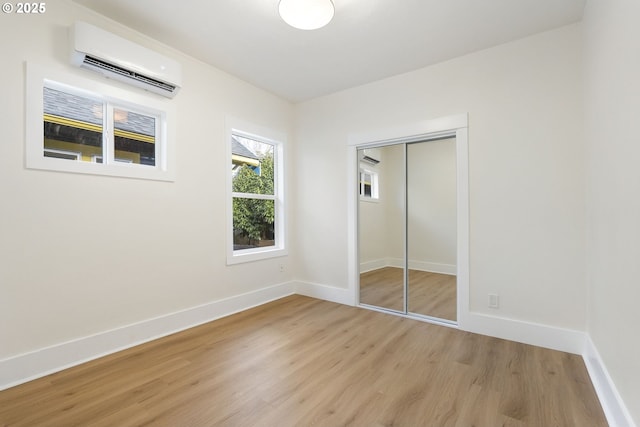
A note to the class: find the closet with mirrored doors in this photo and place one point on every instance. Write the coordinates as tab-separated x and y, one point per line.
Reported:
407	228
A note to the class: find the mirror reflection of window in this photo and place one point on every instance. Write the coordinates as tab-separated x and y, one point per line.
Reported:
408	238
381	227
369	184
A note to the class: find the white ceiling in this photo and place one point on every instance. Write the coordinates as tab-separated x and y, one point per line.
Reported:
367	40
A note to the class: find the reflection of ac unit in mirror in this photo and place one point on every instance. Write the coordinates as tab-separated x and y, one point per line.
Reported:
370	156
119	59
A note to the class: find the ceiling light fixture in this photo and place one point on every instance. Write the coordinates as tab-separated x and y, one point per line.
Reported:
306	14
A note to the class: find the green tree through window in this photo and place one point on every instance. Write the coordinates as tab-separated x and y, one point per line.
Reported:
254	217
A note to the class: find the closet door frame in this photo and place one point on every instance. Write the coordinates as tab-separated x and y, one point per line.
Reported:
446	127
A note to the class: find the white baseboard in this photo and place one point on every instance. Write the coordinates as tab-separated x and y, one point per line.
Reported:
432	267
540	335
394	262
372	265
612	404
325	292
36	364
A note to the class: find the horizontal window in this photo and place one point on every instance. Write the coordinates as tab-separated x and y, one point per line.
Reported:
95	132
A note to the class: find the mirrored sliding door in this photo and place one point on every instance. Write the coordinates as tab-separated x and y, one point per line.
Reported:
431	228
407	228
381	227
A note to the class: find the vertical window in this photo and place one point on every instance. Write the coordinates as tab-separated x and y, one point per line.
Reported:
252	169
368	184
256	198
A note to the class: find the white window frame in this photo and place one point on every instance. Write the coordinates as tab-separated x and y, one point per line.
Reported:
65	152
278	140
107	92
375	185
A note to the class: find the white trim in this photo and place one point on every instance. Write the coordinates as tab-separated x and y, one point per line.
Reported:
561	339
462	228
253	196
44	361
235	126
352	188
37	77
65	152
375	264
325	292
431	267
409	131
612	404
454	125
394	262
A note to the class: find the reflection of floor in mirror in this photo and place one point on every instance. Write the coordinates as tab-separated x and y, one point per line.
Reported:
431	294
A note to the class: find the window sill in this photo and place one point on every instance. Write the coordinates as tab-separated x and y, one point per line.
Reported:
250	255
369	200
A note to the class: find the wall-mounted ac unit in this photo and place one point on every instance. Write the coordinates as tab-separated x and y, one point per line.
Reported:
119	59
370	156
370	160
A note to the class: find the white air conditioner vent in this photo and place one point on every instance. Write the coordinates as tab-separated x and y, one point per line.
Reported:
90	61
120	59
370	160
369	156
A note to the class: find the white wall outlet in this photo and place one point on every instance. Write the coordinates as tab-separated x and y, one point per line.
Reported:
494	301
282	268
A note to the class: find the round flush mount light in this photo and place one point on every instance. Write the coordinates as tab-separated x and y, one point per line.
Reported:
306	14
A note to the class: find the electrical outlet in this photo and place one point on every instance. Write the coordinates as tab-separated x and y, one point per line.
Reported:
494	301
282	268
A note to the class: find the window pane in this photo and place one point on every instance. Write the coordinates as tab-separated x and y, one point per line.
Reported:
252	166
367	190
253	223
72	126
135	137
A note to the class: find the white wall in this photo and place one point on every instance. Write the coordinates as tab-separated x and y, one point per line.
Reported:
431	191
431	205
612	70
381	238
82	254
372	238
392	198
524	102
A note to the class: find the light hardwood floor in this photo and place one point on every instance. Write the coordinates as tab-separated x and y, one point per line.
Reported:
431	294
300	361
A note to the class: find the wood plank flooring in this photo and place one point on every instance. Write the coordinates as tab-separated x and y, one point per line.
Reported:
300	361
431	294
383	287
